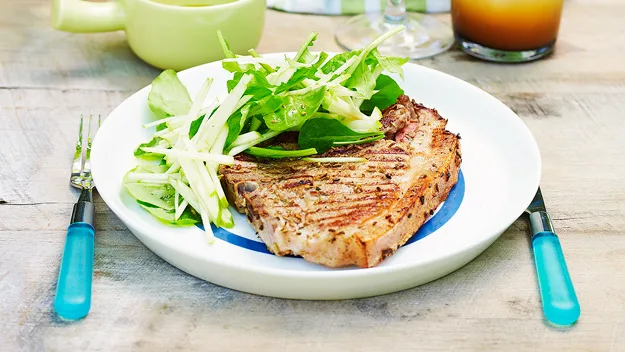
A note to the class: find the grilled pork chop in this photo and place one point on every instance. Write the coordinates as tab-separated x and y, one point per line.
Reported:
340	214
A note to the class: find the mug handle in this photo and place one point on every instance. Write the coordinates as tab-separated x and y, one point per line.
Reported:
79	16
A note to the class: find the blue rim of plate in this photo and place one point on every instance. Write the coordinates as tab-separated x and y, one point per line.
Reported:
440	218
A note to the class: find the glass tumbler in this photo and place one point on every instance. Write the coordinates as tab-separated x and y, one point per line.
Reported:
506	30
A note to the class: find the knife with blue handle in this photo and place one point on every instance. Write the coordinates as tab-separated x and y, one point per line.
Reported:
560	303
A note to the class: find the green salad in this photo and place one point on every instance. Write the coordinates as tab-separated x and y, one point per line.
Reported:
329	100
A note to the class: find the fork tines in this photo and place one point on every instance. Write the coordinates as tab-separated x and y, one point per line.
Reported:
81	166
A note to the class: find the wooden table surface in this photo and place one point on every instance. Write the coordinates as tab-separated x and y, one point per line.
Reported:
573	102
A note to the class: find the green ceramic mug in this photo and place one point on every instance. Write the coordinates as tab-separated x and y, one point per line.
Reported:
175	34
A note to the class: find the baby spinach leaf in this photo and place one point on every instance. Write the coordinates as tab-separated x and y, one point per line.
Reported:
140	153
391	64
258	87
168	96
323	134
188	217
388	92
296	108
363	80
338	60
195	125
235	124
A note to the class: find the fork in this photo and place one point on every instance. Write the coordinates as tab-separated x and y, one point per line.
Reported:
73	291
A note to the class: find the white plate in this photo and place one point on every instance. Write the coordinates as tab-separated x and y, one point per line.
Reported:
501	168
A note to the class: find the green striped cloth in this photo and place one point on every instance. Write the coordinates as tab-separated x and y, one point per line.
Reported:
352	7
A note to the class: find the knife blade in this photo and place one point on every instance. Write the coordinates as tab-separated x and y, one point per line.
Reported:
560	304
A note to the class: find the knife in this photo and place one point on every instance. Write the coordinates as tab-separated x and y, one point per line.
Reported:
560	303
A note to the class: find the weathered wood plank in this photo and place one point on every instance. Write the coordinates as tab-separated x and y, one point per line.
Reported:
572	102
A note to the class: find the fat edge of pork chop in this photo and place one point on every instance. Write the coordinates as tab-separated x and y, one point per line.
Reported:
341	214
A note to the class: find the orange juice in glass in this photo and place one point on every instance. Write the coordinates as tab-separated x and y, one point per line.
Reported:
506	30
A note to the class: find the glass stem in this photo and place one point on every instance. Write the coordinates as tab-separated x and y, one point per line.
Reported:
395	12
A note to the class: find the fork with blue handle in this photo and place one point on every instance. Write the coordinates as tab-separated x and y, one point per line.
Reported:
73	292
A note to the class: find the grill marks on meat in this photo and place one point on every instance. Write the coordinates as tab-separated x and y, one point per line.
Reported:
340	214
